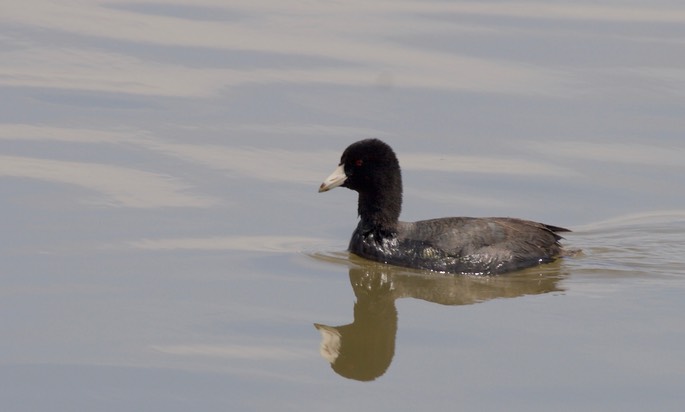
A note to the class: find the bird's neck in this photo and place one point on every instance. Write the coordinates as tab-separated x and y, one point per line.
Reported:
379	212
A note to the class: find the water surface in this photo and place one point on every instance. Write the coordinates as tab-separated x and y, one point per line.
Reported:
164	247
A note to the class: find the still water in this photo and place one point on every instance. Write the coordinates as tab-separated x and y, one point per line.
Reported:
164	247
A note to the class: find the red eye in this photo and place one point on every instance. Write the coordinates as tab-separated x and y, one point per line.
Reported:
359	162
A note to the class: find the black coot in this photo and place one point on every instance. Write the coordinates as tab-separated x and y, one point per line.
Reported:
454	244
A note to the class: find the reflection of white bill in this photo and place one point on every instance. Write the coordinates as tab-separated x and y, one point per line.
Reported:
330	342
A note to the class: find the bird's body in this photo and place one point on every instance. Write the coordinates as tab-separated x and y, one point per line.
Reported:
471	245
461	244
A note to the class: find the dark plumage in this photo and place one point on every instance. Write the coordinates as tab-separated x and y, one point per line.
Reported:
454	244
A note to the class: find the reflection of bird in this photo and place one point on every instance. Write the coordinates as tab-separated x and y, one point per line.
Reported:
363	349
455	244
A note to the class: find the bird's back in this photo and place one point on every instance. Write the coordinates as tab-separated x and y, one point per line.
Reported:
463	244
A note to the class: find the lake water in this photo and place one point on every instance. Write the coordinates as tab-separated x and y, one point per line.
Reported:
164	247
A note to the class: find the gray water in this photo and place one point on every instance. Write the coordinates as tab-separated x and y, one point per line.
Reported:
164	247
